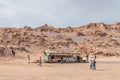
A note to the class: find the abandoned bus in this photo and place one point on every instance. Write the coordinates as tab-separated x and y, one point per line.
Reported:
57	57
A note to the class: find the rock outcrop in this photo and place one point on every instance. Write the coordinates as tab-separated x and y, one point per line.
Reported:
97	35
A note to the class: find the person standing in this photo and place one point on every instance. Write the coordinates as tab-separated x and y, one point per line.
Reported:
87	56
28	57
13	53
94	65
61	60
91	64
40	61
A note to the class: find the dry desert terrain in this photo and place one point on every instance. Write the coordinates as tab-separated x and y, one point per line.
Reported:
19	69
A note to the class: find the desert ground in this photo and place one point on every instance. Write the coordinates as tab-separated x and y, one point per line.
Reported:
18	69
94	38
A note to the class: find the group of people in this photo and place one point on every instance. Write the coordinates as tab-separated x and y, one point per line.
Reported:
91	60
93	63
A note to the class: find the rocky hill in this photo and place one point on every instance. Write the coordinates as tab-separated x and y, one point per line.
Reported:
98	38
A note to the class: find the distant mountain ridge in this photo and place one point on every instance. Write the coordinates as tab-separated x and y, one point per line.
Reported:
99	35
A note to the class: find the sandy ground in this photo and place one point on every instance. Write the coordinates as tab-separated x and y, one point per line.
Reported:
59	72
19	69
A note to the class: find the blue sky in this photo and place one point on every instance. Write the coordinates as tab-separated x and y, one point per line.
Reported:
58	13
